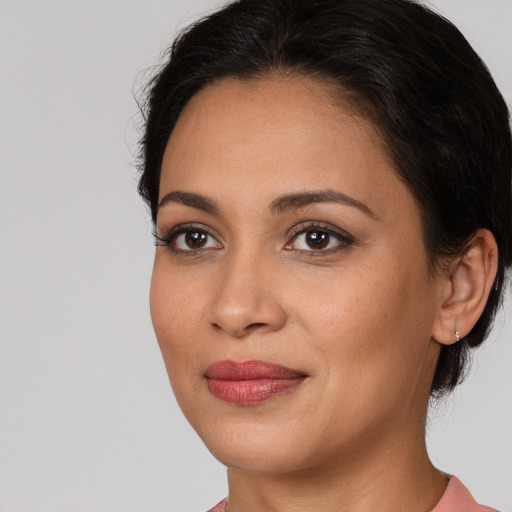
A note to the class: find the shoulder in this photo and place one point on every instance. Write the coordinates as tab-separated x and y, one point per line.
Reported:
457	498
220	507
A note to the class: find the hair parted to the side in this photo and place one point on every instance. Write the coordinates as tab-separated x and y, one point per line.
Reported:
444	122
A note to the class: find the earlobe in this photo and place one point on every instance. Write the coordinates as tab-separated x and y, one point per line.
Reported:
466	289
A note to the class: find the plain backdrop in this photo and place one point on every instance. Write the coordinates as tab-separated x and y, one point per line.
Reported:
88	422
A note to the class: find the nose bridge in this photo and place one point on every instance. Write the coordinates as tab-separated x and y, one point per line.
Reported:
246	297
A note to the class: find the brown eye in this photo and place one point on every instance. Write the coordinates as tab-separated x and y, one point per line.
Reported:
195	239
189	240
317	239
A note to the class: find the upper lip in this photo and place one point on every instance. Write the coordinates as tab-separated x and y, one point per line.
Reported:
250	370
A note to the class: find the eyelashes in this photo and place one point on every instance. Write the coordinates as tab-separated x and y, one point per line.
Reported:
187	238
318	237
311	238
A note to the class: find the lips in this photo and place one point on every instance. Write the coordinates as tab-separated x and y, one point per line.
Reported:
250	382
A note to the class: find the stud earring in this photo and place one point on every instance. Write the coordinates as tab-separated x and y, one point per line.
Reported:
457	336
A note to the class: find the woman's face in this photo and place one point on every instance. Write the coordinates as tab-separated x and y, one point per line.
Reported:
291	294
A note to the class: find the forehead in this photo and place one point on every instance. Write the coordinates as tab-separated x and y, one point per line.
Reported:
294	108
276	135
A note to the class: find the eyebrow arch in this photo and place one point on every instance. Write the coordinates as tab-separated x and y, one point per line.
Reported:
301	199
190	199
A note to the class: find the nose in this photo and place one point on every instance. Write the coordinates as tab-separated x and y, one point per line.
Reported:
246	299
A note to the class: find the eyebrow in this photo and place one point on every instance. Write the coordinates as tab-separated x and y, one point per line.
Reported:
190	199
302	199
282	204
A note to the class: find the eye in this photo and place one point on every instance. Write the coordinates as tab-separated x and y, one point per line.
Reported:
187	239
318	238
191	240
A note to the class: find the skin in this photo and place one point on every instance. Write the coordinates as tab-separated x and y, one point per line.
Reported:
363	318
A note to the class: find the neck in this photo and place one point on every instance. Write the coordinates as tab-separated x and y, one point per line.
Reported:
388	477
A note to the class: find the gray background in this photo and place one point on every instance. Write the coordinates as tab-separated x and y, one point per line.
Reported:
87	418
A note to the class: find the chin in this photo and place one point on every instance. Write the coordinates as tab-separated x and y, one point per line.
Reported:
258	460
256	448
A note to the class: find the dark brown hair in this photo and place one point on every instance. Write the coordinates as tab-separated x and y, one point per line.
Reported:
445	124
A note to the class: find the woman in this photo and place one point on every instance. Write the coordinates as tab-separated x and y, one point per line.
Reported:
330	184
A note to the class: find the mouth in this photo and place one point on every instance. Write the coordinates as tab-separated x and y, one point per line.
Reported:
250	382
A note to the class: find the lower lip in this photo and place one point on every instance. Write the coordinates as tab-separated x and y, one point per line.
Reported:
247	392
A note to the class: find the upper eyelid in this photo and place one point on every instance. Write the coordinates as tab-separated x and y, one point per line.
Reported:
168	236
305	226
186	226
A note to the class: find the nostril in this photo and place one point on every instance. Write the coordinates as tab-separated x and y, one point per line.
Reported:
247	329
255	325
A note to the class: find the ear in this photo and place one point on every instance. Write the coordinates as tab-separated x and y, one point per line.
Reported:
466	288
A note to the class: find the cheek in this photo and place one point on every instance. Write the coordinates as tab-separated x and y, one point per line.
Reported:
373	327
175	312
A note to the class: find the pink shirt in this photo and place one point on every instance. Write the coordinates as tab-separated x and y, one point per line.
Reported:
455	499
458	499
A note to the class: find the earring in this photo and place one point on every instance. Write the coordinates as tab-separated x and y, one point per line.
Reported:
457	336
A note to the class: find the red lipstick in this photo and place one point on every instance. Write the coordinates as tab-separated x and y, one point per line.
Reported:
250	382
